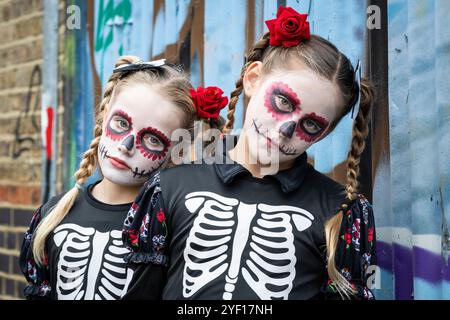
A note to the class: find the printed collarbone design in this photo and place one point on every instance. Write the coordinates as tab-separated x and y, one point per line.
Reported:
222	230
91	265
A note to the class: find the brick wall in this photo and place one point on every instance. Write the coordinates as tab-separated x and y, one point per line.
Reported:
21	59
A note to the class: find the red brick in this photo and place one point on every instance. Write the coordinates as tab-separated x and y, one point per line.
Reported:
13	195
3	194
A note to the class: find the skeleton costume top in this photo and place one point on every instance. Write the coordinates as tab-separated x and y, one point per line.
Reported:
84	253
215	232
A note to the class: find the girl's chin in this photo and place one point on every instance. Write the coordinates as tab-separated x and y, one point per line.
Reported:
264	156
124	179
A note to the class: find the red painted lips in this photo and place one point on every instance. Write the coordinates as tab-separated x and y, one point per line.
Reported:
119	163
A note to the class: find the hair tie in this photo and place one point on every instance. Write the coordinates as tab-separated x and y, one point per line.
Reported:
140	65
357	82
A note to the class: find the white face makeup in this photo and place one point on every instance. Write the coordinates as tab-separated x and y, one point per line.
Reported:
287	113
136	135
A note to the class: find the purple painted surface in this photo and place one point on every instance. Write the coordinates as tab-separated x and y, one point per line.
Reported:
403	272
401	267
430	267
407	264
384	255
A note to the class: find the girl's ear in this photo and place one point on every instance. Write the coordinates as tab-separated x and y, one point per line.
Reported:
251	79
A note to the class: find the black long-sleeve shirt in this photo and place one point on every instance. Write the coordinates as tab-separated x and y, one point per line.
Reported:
203	231
84	254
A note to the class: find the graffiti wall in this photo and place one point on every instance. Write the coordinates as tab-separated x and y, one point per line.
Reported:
210	37
413	226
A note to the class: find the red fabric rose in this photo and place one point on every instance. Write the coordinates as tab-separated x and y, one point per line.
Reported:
370	234
133	236
160	215
348	237
289	28
208	101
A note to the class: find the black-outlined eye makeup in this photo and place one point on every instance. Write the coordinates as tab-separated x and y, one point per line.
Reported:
310	127
281	101
152	143
119	124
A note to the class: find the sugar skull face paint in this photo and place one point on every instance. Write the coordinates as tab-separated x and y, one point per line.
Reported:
152	143
283	148
281	101
119	124
135	142
310	127
287	112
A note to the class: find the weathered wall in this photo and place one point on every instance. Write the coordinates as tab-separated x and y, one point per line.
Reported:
413	225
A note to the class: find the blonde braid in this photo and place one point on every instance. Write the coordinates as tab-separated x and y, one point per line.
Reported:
332	226
359	135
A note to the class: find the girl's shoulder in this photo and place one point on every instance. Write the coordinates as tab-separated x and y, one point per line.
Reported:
331	193
188	172
324	182
50	204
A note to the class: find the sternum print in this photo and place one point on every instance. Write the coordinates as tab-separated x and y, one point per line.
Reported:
238	242
99	244
245	215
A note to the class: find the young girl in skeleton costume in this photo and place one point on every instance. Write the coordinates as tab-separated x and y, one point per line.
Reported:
236	231
73	248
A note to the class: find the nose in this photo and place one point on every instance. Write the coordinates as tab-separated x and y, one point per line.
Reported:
287	129
127	145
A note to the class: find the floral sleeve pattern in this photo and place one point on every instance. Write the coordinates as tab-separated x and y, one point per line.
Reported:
37	276
145	228
355	249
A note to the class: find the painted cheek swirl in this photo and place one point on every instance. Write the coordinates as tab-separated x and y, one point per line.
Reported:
310	127
150	153
281	101
113	131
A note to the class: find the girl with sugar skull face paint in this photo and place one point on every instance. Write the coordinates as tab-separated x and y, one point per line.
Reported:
297	113
73	248
135	141
266	225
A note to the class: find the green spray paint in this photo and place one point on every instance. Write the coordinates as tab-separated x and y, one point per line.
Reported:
107	14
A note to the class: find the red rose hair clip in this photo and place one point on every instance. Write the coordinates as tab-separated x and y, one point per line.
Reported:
208	101
289	28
